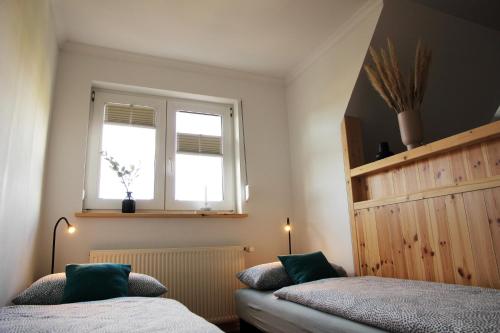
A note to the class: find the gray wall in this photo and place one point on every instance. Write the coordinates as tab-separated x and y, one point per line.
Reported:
464	85
27	66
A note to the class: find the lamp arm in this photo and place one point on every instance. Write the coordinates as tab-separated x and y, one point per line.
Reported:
54	241
289	237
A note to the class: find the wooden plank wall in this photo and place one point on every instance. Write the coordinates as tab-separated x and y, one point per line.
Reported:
435	219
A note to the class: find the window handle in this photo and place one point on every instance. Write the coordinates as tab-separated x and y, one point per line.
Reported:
170	166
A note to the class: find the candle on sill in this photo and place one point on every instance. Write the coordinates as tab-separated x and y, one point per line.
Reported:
206	208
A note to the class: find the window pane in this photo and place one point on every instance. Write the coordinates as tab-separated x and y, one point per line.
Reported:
195	174
199	177
128	145
197	123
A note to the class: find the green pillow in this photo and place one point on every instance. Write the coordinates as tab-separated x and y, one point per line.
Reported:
307	267
92	282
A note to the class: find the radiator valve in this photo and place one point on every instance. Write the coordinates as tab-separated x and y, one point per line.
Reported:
249	249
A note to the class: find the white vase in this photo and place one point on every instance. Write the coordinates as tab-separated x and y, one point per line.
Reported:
410	127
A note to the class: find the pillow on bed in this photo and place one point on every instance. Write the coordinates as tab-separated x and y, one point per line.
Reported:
265	277
339	270
93	282
49	289
145	286
273	276
307	267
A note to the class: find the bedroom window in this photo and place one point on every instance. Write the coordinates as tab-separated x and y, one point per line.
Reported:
180	153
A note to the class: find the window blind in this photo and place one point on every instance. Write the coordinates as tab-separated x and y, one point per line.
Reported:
199	144
129	115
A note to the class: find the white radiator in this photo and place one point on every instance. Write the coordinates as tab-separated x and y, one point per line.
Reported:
202	278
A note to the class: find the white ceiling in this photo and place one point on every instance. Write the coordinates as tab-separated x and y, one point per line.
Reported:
268	37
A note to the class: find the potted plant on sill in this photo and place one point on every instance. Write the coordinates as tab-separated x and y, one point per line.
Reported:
127	177
403	95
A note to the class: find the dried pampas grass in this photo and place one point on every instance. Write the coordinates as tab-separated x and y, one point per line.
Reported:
399	93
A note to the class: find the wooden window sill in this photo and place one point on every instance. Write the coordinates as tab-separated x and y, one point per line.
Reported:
158	214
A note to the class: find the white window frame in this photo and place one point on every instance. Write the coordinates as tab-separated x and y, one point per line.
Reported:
94	147
228	143
165	116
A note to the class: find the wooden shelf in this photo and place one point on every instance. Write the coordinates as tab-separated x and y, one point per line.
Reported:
459	140
158	214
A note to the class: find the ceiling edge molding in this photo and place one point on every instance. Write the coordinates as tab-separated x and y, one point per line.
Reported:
118	55
360	14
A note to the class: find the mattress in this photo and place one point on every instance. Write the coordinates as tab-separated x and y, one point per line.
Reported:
270	314
402	306
124	314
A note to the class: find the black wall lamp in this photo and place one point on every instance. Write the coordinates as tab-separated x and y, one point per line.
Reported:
288	228
71	230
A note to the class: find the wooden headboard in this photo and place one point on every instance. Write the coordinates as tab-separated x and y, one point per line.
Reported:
432	213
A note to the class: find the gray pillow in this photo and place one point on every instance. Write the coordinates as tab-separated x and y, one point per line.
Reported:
144	286
268	276
339	269
49	289
272	276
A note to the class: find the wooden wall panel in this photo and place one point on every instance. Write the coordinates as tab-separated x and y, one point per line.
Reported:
432	213
427	241
451	239
380	185
493	152
442	171
461	249
475	162
372	243
398	180
411	242
384	243
457	160
352	151
481	241
362	251
396	240
411	181
425	175
492	201
441	236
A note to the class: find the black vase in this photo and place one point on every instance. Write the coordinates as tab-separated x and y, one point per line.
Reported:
128	204
383	151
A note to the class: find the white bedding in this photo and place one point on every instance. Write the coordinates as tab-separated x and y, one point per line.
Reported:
124	314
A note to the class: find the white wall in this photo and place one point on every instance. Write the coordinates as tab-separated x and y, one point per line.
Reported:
27	69
464	85
267	157
316	103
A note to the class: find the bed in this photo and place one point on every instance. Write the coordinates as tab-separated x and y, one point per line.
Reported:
123	314
267	313
371	304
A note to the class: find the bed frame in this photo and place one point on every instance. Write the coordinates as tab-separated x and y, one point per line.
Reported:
431	213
